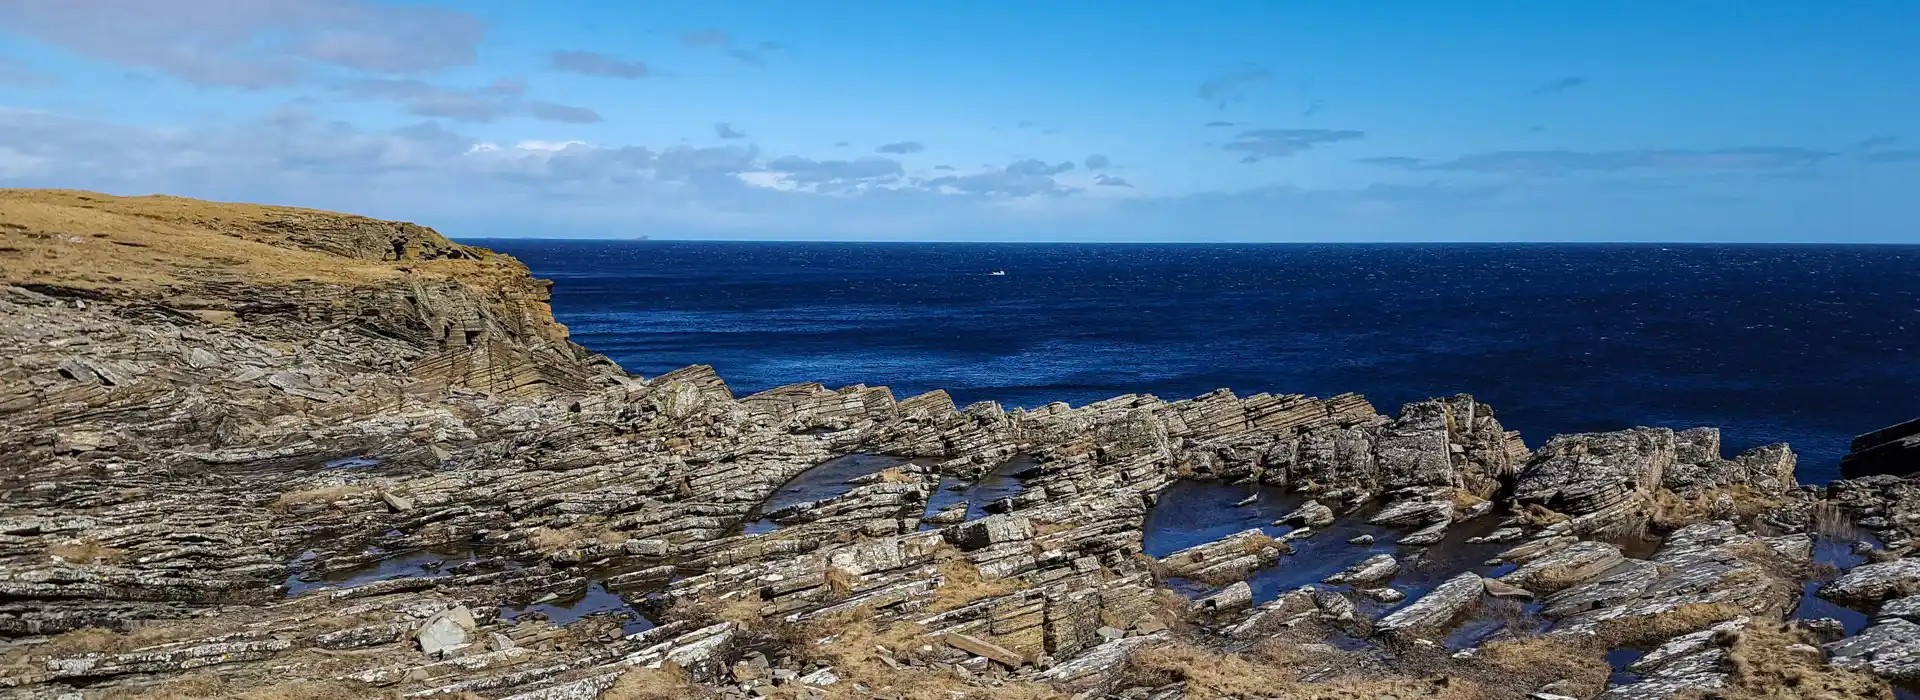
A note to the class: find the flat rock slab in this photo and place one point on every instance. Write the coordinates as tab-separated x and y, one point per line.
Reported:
1435	608
980	647
1873	583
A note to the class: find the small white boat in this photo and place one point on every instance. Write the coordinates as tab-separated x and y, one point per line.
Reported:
998	273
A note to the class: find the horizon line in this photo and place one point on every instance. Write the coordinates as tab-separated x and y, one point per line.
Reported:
1689	243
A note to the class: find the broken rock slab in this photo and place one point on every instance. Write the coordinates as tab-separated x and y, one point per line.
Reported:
446	631
980	647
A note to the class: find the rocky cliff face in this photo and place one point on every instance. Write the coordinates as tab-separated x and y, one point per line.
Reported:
267	452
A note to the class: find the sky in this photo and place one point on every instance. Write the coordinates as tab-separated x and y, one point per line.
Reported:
991	120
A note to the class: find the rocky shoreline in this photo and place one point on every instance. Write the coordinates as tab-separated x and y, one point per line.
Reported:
278	453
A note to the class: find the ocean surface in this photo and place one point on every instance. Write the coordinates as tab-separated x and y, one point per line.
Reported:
1809	345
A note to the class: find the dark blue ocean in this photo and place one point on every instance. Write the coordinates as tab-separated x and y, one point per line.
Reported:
1805	344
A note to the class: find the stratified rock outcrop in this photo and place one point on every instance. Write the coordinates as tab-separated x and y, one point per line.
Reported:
283	447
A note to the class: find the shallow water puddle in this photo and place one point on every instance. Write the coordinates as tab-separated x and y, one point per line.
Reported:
409	565
1619	660
1837	553
595	601
995	485
826	480
354	462
1189	513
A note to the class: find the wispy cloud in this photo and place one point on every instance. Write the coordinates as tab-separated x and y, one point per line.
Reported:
1097	162
901	147
1260	144
726	131
1110	181
1565	162
596	64
261	44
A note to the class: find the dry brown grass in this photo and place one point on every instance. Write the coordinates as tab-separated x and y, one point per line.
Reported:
1670	511
1536	515
1275	669
1552	580
745	611
895	475
1464	499
842	582
548	539
668	682
90	640
1259	542
1653	629
323	494
962	584
206	685
858	650
87	552
1531	662
128	245
1766	668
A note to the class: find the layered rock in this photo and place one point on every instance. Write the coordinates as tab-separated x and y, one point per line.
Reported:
234	438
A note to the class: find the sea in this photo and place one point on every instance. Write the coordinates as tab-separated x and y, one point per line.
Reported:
1805	344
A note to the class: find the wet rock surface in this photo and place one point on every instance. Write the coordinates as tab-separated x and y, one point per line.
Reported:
365	462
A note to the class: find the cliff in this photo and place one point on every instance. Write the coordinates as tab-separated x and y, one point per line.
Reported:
269	452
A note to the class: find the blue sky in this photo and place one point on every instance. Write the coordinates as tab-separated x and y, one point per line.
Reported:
986	120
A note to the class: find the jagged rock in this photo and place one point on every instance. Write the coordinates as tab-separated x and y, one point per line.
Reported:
1704	563
176	449
1684	664
1868	584
1310	514
1592	472
1372	572
1440	605
1333	605
991	530
1575	564
1889	649
1414	450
